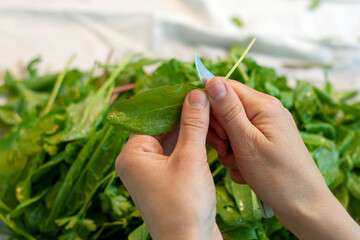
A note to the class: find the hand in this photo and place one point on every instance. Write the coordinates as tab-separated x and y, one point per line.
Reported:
269	155
173	188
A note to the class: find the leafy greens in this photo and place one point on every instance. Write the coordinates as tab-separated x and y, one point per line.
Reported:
57	151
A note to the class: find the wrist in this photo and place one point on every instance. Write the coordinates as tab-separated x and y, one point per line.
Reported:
323	219
193	234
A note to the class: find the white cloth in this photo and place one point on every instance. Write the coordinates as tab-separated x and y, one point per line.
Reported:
287	33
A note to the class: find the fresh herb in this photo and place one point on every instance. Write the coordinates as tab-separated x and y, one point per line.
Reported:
156	111
56	162
152	112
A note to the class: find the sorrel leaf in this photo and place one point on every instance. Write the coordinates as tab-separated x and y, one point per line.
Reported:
152	112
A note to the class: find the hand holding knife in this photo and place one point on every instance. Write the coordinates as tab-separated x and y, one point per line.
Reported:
205	75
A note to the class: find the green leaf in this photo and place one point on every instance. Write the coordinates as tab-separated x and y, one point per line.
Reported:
227	210
246	201
315	140
32	138
321	128
116	202
326	98
350	150
12	166
261	233
9	116
82	116
342	194
18	228
75	113
40	82
48	167
344	96
31	101
73	174
241	233
56	88
4	207
98	165
22	207
327	161
306	101
353	184
162	105
140	233
272	225
354	209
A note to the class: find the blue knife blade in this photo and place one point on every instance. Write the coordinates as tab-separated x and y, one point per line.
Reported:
204	74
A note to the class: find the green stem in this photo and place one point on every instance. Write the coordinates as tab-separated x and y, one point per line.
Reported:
110	176
212	156
56	88
217	171
240	59
104	87
241	70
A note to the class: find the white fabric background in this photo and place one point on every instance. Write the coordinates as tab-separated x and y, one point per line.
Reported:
287	33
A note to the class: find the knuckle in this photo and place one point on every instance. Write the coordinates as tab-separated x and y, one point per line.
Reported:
275	102
123	165
119	164
273	106
194	122
232	112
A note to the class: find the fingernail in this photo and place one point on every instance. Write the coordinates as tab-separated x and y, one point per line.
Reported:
216	90
198	98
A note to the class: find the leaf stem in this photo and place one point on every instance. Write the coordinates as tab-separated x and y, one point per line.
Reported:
105	86
82	211
123	88
217	171
241	70
56	88
240	59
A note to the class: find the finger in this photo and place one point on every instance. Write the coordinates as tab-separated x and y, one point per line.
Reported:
138	154
229	111
194	123
262	110
143	143
252	100
168	141
217	127
237	177
216	142
228	161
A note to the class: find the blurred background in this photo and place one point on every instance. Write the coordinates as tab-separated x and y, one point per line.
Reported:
296	37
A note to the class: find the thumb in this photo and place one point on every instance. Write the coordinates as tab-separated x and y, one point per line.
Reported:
194	122
228	110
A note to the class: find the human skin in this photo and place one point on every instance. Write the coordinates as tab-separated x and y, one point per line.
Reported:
173	188
269	155
171	184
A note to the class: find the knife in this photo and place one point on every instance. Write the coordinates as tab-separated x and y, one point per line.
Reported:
205	75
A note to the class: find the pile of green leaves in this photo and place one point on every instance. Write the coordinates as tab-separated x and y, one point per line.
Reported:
57	151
